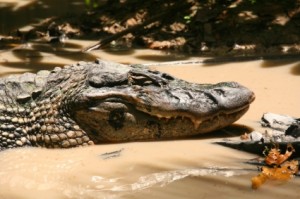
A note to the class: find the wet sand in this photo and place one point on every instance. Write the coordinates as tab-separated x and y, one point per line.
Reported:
188	168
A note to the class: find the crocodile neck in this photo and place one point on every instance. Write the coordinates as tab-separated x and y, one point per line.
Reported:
31	110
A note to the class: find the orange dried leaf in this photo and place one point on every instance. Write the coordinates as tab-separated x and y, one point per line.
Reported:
277	173
258	180
276	158
285	172
282	170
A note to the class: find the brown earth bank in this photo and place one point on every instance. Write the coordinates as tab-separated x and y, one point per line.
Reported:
204	27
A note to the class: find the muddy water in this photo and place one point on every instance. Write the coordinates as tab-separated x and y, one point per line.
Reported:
189	168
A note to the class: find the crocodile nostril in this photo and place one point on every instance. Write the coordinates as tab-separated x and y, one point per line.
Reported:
211	97
252	98
168	77
220	92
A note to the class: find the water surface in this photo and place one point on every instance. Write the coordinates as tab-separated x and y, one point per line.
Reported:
188	168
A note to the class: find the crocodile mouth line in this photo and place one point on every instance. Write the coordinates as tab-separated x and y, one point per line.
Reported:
166	115
197	121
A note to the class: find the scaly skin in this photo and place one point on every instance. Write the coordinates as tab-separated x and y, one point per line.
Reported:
91	103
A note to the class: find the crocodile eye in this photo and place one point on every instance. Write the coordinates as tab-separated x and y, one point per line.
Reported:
141	80
107	80
148	77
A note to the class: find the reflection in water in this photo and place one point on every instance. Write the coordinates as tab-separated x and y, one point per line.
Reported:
162	58
141	171
266	61
278	63
165	178
296	69
35	57
80	173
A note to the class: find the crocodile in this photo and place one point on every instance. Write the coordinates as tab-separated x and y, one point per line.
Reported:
98	102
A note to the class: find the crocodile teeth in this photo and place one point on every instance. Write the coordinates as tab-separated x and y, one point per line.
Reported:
196	123
163	117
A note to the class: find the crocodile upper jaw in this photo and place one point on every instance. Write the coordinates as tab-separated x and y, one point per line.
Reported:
144	104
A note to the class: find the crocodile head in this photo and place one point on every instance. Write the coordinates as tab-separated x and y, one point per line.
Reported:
123	103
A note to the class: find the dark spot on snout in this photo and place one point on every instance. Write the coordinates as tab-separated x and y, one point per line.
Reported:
117	118
155	126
